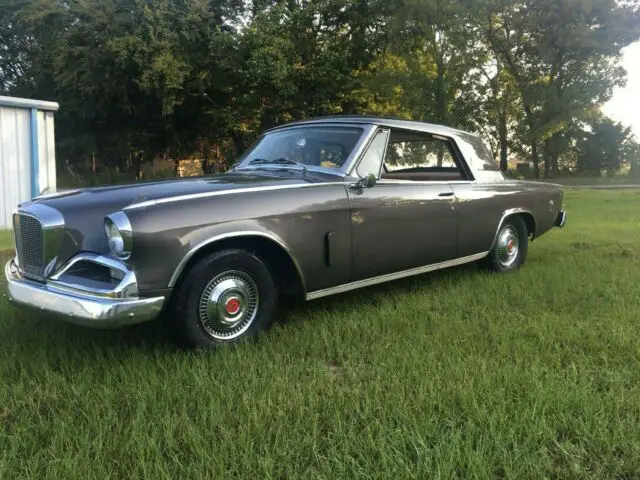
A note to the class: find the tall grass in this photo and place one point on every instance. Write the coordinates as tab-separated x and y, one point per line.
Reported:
6	240
456	374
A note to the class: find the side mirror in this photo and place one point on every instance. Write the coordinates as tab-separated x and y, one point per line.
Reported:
368	181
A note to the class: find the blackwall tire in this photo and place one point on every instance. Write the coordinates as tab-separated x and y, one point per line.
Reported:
509	251
227	297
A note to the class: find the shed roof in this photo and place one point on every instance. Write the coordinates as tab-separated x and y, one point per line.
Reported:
28	103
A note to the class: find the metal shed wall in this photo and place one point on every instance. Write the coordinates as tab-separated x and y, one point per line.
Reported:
27	152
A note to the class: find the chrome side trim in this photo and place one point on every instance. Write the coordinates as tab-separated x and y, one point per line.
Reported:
59	194
128	286
223	236
92	311
394	276
194	196
507	213
392	181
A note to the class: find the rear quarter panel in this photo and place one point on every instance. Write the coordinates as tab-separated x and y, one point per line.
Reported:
481	206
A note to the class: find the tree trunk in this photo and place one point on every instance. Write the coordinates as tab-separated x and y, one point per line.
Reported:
93	169
547	157
502	136
534	158
137	165
551	157
440	104
555	169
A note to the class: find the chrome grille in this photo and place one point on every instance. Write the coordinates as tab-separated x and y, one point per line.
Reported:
29	245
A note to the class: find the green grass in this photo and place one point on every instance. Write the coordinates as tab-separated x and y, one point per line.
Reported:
578	181
458	373
6	240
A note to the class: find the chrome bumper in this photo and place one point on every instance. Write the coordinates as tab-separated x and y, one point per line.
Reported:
561	219
78	307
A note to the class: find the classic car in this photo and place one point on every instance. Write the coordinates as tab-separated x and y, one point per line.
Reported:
312	208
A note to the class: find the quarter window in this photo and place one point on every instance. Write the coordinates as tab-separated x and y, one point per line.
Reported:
372	160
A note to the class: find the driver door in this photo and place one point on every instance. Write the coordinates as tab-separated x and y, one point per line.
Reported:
398	224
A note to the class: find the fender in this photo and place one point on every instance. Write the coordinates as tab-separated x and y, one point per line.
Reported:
223	236
508	213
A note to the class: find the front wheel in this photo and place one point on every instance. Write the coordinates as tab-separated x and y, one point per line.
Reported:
509	251
226	297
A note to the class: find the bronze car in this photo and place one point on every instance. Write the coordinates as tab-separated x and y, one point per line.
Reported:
313	208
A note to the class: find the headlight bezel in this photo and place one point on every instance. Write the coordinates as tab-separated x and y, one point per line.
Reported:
119	234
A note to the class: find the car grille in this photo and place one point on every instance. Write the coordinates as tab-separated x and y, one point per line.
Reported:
29	245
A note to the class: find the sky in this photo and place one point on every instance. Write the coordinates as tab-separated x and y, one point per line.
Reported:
625	104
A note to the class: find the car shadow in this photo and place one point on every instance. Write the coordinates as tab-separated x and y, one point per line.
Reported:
291	307
46	332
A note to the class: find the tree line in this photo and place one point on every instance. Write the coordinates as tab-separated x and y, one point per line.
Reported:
138	79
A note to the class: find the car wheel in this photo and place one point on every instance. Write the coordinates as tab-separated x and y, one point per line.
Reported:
510	249
226	297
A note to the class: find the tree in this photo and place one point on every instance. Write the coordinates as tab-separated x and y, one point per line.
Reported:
607	147
563	56
201	78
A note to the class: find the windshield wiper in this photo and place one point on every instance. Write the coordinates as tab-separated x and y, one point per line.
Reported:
277	161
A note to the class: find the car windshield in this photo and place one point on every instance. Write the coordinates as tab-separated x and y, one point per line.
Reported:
323	147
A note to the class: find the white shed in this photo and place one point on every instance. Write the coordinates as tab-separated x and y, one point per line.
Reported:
27	152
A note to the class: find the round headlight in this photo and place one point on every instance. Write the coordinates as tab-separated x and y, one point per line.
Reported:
116	242
119	234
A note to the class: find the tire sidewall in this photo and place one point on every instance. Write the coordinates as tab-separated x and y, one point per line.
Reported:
517	224
186	314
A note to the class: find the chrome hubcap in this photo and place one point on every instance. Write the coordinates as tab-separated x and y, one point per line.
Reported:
508	246
228	305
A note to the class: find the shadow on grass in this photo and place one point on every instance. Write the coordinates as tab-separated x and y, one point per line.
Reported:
291	308
46	332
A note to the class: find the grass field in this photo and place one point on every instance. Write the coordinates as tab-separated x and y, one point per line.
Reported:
6	240
454	374
569	181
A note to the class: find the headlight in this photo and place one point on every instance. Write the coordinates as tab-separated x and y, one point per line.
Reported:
119	234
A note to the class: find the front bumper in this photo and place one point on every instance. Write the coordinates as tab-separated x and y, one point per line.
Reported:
79	307
561	219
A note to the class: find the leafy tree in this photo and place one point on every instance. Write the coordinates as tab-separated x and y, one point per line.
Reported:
607	147
141	78
563	56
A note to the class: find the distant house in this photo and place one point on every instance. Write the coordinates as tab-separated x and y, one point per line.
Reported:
27	152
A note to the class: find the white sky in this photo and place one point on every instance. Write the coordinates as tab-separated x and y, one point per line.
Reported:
625	104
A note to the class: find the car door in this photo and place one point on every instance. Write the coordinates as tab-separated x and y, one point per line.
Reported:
399	223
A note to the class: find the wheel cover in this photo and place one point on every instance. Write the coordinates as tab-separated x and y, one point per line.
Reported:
508	246
228	305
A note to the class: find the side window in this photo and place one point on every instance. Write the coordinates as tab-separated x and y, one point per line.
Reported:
421	157
486	166
371	162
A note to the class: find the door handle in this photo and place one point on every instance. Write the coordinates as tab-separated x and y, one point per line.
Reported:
446	194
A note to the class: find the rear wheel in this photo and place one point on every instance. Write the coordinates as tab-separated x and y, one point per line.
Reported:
510	249
226	297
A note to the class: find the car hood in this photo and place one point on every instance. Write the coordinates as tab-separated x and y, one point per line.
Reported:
117	197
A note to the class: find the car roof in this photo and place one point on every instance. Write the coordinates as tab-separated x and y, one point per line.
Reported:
382	121
474	150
